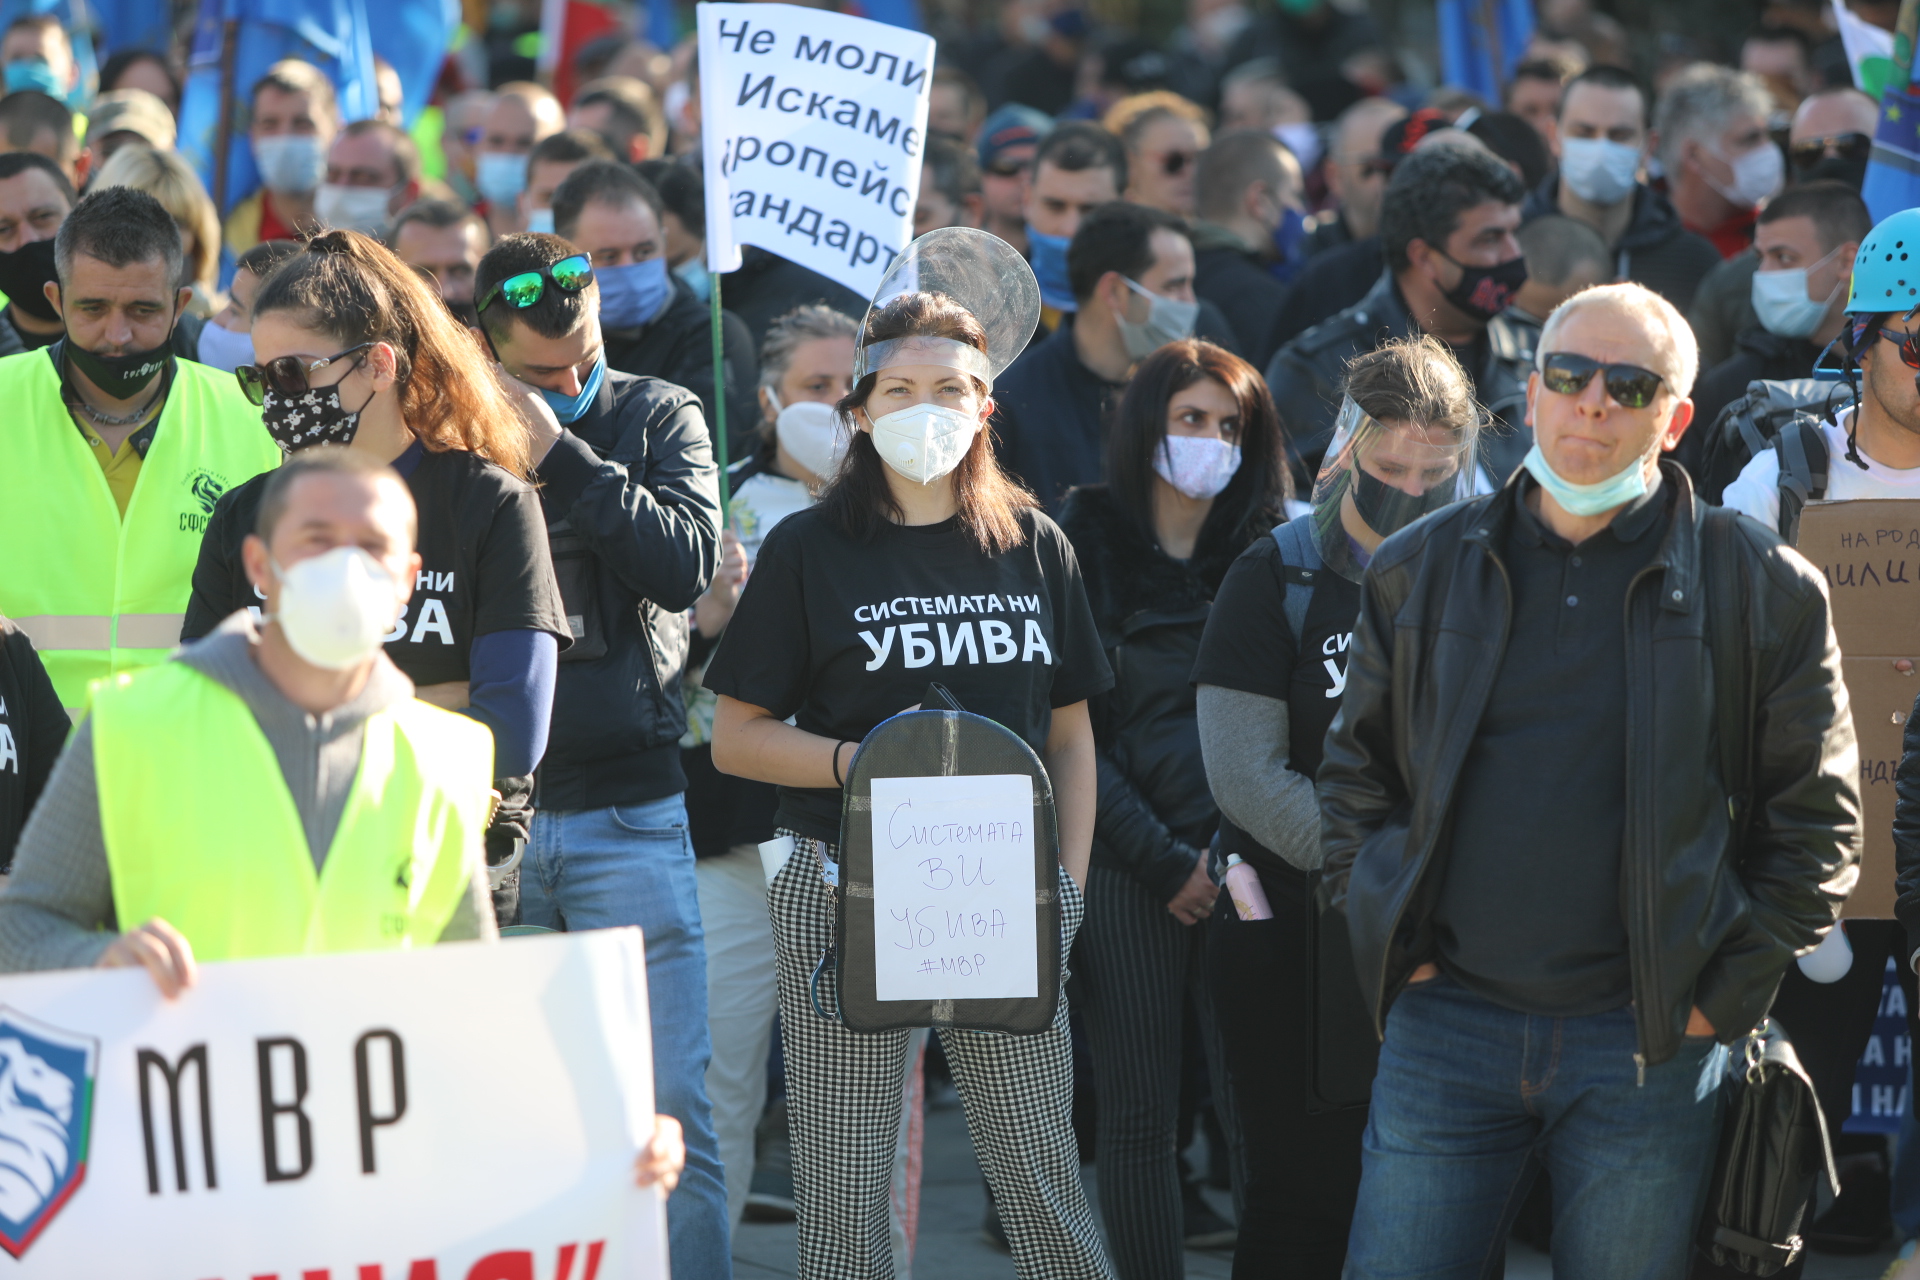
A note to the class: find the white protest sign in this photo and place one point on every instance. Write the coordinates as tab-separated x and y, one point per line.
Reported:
812	124
953	888
463	1112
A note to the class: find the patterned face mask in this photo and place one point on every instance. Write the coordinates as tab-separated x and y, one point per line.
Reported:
315	416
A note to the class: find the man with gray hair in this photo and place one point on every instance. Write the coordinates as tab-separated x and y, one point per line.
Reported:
1556	924
1720	162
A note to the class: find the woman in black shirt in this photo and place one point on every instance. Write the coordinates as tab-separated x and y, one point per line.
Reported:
931	565
1300	1046
353	349
1195	472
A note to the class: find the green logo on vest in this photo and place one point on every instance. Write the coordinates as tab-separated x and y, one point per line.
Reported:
204	489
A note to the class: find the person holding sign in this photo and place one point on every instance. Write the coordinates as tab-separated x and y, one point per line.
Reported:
1593	785
1270	672
921	562
1196	470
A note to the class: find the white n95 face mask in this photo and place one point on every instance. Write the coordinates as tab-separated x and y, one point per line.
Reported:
811	432
924	442
336	607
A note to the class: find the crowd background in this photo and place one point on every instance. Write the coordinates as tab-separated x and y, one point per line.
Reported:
1229	208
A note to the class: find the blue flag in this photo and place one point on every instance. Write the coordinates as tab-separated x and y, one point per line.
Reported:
1893	170
336	36
132	24
1481	41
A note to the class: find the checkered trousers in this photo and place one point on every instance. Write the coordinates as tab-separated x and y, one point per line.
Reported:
843	1109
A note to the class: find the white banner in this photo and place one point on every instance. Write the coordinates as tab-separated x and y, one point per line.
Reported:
463	1112
812	124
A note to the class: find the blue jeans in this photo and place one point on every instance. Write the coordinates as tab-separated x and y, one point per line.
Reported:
1468	1093
628	865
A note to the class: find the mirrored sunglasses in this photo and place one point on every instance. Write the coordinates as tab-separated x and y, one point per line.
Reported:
1631	387
570	274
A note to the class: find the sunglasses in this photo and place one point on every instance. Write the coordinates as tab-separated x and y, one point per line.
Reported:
286	376
1808	152
1008	168
1174	163
1631	387
522	291
1909	344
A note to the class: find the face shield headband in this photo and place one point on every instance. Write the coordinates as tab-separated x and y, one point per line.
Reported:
946	353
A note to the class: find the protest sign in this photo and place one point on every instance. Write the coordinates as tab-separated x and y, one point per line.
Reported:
463	1112
953	888
811	124
1869	551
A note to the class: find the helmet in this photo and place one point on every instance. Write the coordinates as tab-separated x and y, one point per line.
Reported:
1886	272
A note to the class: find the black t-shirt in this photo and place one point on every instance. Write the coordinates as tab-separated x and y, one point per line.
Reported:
840	634
1248	646
33	728
484	563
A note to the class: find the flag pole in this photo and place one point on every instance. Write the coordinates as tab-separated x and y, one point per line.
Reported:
720	391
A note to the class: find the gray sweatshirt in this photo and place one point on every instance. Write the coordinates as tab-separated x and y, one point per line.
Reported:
57	910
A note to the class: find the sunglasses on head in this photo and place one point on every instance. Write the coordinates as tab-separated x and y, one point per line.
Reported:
286	376
569	274
1631	387
1809	152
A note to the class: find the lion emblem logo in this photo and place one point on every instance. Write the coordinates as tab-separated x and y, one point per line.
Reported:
206	490
46	1095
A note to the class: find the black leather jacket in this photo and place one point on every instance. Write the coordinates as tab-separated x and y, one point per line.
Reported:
1706	925
1154	813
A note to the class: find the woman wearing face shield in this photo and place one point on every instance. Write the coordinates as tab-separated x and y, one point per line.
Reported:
1196	471
918	520
806	367
1270	673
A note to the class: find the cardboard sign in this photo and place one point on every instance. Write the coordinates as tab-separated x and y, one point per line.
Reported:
463	1112
812	124
1869	552
953	888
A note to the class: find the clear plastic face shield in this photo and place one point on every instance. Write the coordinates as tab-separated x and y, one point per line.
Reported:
1379	477
979	271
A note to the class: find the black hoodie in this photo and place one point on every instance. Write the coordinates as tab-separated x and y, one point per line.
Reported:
1655	250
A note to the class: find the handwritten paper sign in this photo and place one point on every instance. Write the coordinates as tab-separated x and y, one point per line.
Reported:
1869	552
953	888
812	124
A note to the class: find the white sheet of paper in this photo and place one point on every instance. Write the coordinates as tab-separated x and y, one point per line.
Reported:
953	888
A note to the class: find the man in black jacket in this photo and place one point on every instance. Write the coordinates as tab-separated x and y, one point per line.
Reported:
1246	184
1453	265
1553	912
654	325
631	497
1602	147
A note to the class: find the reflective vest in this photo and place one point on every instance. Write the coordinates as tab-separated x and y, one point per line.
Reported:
201	829
99	594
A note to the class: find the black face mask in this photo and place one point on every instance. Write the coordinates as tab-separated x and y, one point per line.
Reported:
1388	510
1835	169
122	377
23	275
1484	292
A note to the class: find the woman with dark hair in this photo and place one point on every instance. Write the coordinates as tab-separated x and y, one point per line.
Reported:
142	69
352	348
918	512
1196	470
1299	1045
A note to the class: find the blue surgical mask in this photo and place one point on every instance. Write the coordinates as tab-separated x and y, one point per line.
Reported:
1780	300
1048	257
223	348
1289	246
500	175
694	274
540	220
292	163
633	295
34	73
1588	499
569	408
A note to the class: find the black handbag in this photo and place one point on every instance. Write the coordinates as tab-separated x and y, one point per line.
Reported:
1773	1145
1773	1140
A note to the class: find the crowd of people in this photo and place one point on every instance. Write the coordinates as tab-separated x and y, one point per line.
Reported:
1446	776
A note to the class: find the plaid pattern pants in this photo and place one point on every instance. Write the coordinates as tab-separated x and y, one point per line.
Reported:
844	1098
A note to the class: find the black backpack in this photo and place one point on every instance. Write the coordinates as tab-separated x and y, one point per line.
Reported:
1785	416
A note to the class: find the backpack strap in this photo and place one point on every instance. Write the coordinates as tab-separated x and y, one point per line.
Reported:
1301	567
1801	449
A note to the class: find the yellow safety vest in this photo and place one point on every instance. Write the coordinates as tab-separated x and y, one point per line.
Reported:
201	830
97	593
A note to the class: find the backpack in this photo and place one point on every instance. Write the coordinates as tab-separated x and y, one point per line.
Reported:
1302	566
1785	416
